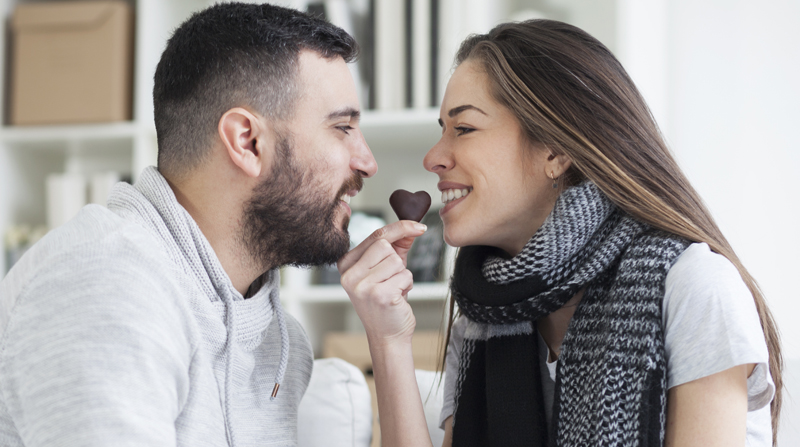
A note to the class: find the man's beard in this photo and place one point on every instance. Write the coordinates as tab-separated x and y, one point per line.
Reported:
290	220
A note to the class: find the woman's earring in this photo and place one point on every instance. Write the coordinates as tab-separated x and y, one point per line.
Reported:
555	180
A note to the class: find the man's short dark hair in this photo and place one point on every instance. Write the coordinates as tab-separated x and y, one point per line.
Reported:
232	55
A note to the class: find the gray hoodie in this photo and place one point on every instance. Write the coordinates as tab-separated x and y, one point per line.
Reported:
121	328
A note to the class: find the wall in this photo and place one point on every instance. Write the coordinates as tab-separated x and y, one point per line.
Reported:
733	96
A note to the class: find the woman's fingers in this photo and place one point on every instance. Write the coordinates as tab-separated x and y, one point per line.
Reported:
377	285
393	290
386	268
375	277
400	233
379	252
383	284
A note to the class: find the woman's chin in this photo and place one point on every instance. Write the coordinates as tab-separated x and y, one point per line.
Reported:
454	239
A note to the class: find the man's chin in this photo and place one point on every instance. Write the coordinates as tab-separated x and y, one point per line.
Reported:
342	249
336	248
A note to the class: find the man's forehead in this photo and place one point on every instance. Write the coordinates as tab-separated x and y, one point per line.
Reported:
327	85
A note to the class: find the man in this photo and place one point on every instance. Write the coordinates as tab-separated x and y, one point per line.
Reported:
157	321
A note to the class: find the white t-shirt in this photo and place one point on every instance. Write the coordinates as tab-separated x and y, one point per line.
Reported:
710	325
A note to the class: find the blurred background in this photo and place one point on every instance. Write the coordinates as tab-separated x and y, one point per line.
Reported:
721	77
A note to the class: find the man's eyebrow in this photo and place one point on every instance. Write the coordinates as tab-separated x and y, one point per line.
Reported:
345	112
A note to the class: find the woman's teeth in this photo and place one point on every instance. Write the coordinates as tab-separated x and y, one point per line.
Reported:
452	194
345	198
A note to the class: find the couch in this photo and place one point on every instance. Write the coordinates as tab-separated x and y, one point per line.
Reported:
336	410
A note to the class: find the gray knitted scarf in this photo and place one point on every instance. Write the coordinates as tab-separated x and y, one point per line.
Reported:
611	376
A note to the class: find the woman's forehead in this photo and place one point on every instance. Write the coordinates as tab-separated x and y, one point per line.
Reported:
469	84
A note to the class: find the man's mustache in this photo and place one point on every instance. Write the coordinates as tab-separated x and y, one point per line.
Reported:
356	182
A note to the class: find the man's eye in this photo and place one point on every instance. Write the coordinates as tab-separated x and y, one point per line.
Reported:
463	130
345	129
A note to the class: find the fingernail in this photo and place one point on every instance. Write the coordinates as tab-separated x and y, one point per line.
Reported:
421	227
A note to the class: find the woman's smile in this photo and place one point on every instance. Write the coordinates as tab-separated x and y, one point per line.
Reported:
452	195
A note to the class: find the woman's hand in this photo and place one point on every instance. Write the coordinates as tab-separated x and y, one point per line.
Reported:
375	277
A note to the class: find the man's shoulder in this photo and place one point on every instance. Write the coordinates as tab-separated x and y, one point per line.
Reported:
95	236
97	226
95	255
297	331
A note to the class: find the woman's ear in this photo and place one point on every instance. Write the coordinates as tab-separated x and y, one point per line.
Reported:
556	165
240	132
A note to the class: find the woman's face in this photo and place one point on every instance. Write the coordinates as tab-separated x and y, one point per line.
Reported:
496	186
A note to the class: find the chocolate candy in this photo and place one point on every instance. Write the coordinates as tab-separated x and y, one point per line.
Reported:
410	206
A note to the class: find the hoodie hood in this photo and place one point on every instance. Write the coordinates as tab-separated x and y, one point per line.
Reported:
152	202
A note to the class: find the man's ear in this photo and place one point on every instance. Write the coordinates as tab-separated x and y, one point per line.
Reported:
556	165
240	130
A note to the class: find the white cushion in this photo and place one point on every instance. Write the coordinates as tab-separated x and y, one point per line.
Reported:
336	409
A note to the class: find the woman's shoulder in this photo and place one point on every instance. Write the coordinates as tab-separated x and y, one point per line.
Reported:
709	317
700	268
711	324
703	284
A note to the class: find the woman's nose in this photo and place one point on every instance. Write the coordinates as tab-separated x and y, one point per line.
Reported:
438	158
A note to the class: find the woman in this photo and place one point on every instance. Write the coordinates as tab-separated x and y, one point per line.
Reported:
599	303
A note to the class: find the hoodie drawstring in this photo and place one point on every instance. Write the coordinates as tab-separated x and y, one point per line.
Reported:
276	305
230	314
232	334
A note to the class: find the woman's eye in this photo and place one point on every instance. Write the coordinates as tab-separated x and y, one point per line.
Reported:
463	130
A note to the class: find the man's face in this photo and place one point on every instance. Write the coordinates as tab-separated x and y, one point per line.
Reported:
299	213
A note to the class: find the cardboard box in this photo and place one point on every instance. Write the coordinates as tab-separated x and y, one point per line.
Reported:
72	62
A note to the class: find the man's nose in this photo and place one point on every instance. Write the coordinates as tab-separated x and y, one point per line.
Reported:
361	159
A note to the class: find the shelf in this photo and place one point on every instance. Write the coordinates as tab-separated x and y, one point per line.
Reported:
403	118
385	131
71	132
401	130
336	294
28	154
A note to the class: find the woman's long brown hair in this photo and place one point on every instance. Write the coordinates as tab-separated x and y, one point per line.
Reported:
571	94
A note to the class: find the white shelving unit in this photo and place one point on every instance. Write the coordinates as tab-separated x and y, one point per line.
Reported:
399	140
29	154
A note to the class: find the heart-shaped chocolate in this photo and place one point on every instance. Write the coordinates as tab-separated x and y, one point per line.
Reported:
410	206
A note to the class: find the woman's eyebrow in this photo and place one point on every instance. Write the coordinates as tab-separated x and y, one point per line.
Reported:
456	110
